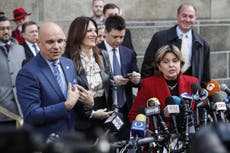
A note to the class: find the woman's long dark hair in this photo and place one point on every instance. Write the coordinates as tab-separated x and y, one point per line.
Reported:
76	35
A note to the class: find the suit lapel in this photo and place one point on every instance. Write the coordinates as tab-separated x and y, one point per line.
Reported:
48	74
122	60
28	51
83	80
66	70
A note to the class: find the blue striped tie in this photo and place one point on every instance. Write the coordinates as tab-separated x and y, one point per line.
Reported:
35	48
117	71
59	77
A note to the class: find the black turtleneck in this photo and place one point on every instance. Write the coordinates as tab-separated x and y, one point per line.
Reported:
173	87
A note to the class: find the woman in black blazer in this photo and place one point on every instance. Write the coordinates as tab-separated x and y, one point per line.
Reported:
94	74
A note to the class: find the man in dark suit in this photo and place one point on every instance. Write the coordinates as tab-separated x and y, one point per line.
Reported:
30	34
198	49
126	62
46	100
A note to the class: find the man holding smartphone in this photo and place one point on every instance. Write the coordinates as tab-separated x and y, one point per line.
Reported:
124	66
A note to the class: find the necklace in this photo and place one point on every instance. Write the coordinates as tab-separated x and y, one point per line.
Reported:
172	87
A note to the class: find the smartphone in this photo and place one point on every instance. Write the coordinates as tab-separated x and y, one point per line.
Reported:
127	75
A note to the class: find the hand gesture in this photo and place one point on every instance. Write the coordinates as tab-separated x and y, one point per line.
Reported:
135	77
120	80
72	96
86	96
102	114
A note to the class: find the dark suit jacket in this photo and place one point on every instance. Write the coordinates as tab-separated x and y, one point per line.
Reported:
41	98
156	86
200	54
28	52
83	113
128	64
127	42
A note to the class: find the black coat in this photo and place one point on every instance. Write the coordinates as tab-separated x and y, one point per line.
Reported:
28	52
127	41
200	54
82	113
128	64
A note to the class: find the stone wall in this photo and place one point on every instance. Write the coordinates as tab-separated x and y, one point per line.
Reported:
144	18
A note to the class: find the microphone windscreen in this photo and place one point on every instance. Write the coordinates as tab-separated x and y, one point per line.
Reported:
177	100
169	100
186	95
219	96
153	102
212	87
141	110
195	87
141	118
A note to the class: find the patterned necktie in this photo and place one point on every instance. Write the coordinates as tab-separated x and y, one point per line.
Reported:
59	77
35	48
117	71
116	65
185	53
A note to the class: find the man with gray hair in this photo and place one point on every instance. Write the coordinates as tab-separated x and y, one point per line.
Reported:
194	48
30	34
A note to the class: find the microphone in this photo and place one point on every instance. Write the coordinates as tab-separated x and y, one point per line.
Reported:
227	102
114	122
186	100
195	91
212	87
177	100
218	99
152	111
225	88
186	96
138	127
219	104
195	87
139	142
196	97
200	96
154	104
115	106
172	110
199	93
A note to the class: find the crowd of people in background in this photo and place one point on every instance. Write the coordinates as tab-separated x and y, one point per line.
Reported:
75	83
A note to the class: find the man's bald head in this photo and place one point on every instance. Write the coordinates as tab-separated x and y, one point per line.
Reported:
51	41
50	28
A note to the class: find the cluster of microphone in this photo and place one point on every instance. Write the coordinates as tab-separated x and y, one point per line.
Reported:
183	116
